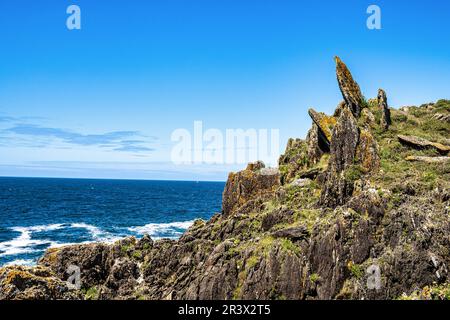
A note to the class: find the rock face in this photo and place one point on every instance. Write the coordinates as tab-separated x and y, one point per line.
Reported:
349	88
325	125
36	283
421	143
344	144
244	185
385	120
372	208
428	159
317	145
296	157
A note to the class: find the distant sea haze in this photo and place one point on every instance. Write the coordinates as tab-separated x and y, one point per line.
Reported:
39	213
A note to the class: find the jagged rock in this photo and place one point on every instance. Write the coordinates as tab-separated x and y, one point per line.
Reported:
368	118
93	260
421	143
269	171
349	88
273	276
342	154
294	159
246	184
301	182
33	283
293	233
122	277
146	241
385	120
428	159
274	217
442	117
338	110
220	276
325	125
316	147
367	152
310	173
255	166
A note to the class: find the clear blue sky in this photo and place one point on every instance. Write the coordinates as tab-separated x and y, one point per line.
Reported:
103	101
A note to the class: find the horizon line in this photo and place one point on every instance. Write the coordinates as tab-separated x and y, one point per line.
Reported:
122	179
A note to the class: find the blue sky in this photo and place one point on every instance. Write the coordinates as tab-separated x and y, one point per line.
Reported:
102	102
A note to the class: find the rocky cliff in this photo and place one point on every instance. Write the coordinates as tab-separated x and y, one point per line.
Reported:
357	210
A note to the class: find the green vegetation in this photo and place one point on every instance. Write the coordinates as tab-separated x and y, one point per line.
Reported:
92	294
355	269
137	254
435	292
353	173
314	278
288	245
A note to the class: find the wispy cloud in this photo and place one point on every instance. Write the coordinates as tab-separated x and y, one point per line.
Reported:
5	118
124	141
71	137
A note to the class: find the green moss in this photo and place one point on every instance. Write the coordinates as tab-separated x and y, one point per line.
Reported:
237	291
251	262
137	254
307	217
434	292
356	270
289	246
126	248
353	173
314	278
92	294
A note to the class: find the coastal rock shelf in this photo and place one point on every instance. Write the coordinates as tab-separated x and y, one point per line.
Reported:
366	194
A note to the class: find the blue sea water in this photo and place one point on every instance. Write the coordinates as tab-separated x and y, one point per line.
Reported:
38	213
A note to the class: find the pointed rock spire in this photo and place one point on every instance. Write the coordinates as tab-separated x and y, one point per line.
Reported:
325	125
349	88
344	143
385	121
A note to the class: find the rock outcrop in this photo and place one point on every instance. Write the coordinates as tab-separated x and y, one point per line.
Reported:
33	283
325	125
245	185
428	159
351	147
421	143
385	120
344	143
353	212
349	88
317	144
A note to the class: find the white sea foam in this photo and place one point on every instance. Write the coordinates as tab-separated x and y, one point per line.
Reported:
23	243
163	230
20	262
93	230
97	234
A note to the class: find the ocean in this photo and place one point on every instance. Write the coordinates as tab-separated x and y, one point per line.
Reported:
39	213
